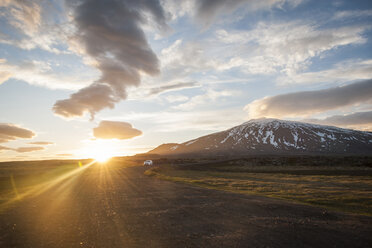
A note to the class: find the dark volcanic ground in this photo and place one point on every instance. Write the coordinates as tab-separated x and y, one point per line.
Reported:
121	207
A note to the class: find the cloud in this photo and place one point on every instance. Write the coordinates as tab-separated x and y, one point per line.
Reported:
92	98
110	33
22	149
29	149
193	120
41	73
341	72
208	10
4	76
43	143
10	132
30	29
209	97
284	47
176	98
115	130
352	14
24	15
184	58
305	103
65	154
2	148
358	119
172	87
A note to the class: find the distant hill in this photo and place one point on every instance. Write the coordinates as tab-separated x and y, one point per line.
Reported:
274	137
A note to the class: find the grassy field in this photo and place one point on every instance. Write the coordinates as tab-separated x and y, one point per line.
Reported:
26	178
342	188
21	178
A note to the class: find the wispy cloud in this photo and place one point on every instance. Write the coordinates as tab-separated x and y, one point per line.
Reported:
343	71
173	87
209	97
24	15
40	73
176	98
22	149
284	47
27	17
196	119
29	149
352	14
4	148
205	12
42	143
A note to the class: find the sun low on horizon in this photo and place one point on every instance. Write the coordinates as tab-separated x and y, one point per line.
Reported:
100	150
75	84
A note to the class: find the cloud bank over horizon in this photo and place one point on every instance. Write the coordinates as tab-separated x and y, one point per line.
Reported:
358	120
306	103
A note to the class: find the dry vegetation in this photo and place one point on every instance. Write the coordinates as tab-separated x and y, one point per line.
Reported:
24	178
344	188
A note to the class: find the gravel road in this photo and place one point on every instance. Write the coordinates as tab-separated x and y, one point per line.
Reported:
112	207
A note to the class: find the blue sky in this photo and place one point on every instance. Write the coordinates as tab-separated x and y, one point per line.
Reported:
176	70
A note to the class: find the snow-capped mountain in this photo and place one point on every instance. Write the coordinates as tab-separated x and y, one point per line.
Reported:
273	136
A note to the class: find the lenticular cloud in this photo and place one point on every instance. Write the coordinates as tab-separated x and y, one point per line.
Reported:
115	130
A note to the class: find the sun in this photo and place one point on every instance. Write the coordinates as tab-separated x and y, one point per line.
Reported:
102	157
100	151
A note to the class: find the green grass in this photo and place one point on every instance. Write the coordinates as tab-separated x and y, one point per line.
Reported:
347	189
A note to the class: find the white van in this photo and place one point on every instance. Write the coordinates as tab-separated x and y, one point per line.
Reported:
147	162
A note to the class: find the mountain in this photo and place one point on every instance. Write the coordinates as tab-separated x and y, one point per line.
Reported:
273	136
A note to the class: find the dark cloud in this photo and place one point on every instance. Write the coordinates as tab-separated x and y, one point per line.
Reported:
10	132
29	149
92	99
42	143
311	102
173	86
110	33
115	130
354	119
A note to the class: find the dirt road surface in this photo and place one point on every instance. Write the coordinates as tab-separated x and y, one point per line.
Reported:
121	207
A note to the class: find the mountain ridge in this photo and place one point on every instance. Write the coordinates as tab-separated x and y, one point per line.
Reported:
273	136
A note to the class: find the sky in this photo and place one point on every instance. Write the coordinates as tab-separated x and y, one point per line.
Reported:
120	77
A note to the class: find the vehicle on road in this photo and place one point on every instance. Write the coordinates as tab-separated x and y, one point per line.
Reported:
148	163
